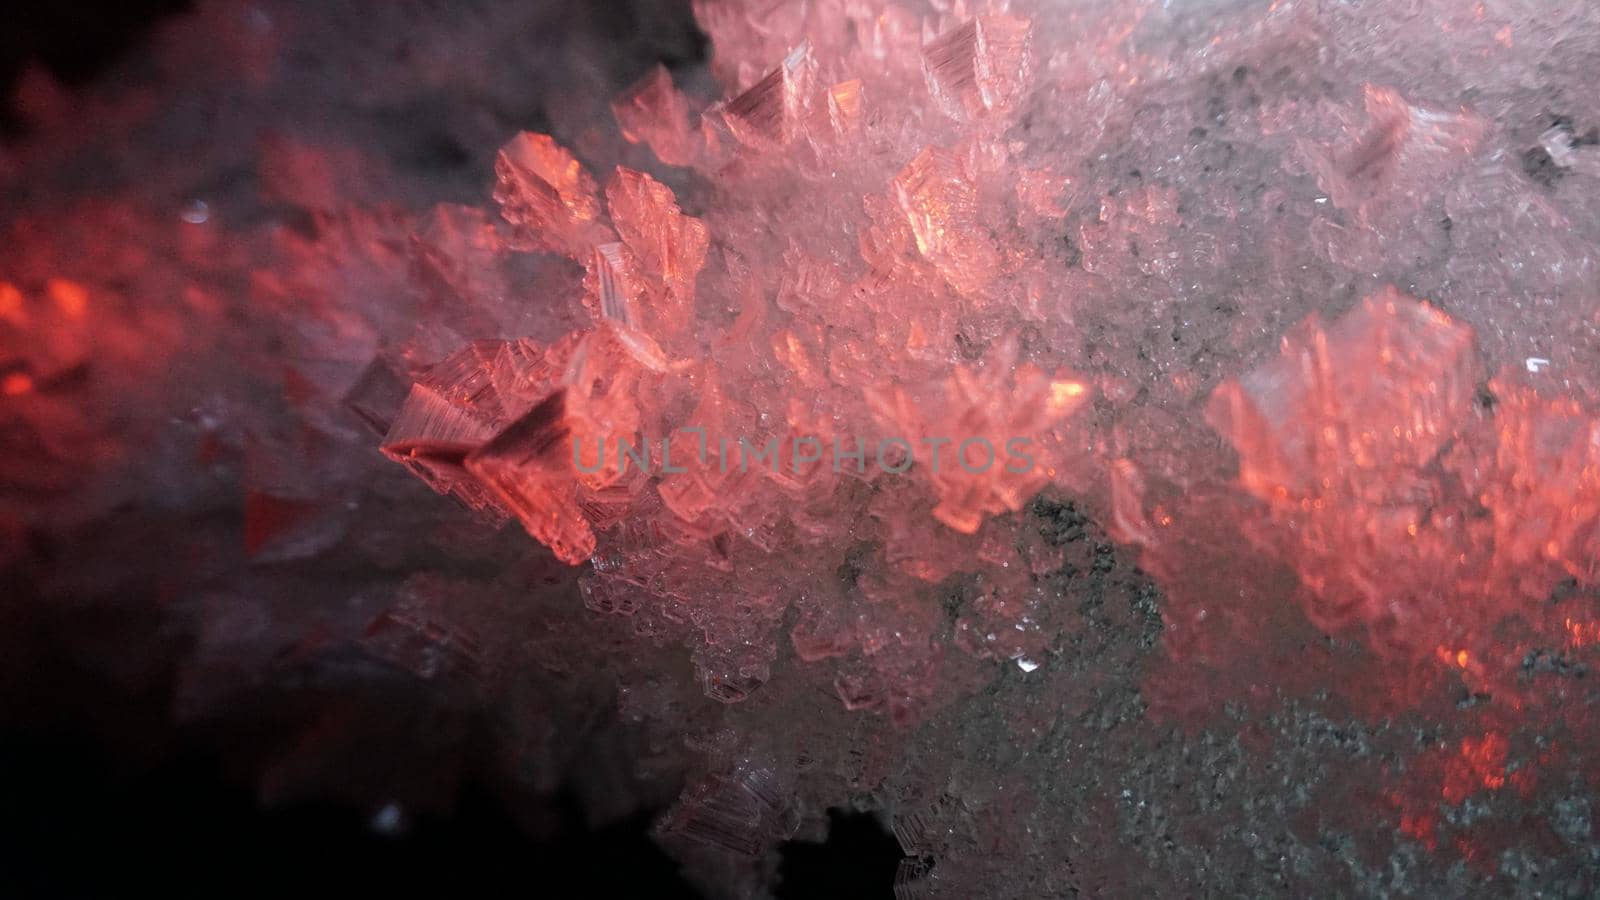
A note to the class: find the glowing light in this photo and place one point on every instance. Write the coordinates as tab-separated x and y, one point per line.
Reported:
1420	826
1479	764
11	303
1582	634
1062	391
70	297
16	384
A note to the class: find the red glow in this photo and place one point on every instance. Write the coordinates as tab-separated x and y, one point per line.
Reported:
69	297
1479	765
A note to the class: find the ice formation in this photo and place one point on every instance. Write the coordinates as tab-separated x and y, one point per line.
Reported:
965	379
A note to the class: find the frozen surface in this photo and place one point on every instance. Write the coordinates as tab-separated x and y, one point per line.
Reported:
1291	309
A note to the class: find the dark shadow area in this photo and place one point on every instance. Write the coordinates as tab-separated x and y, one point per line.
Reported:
73	41
858	860
74	827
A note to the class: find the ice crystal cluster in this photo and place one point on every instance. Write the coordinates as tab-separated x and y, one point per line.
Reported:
902	229
850	302
1290	309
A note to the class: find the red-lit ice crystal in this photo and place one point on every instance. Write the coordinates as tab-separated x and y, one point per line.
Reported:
654	112
546	194
1340	438
1539	480
939	200
979	65
667	441
1394	155
647	283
